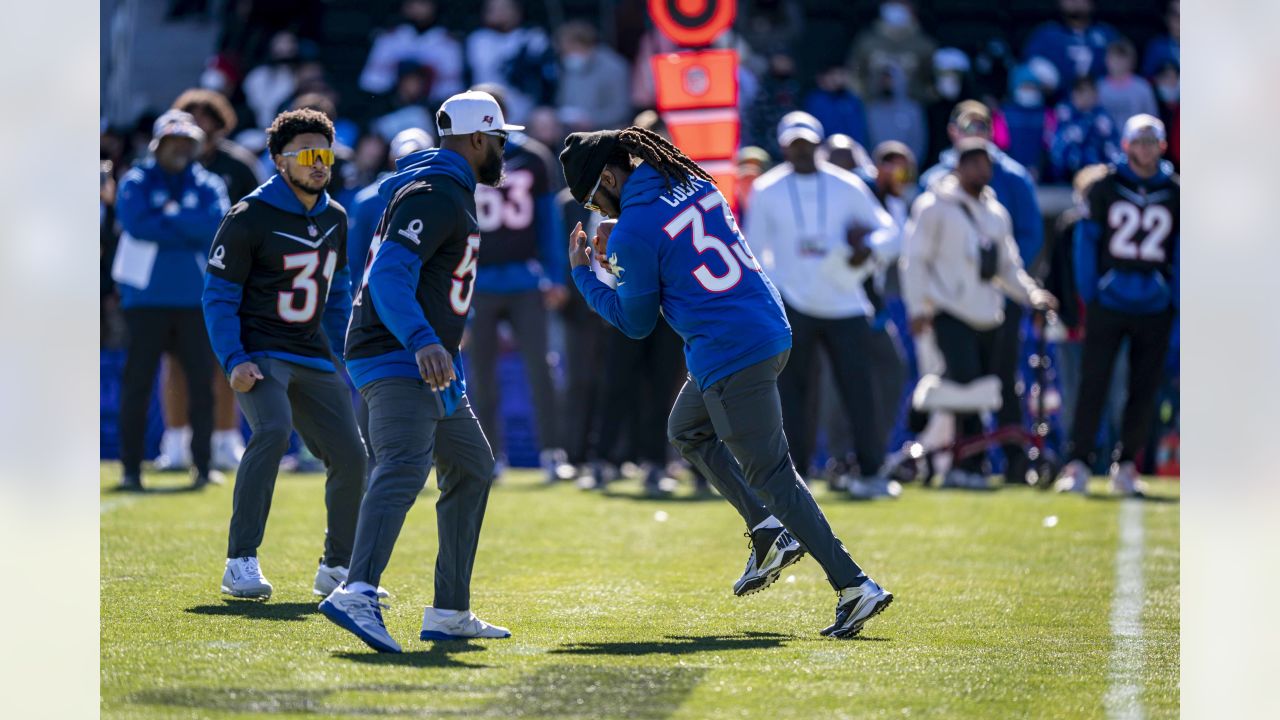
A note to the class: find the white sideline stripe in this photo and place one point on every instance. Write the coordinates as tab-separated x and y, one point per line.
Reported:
1124	686
112	503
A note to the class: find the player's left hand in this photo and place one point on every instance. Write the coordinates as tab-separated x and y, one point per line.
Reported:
1042	299
554	297
857	238
578	247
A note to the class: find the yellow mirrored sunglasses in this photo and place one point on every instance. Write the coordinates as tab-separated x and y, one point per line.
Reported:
308	156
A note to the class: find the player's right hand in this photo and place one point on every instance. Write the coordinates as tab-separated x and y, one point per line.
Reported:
578	247
244	376
435	364
920	324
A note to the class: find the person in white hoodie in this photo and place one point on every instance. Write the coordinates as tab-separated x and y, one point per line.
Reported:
819	234
959	263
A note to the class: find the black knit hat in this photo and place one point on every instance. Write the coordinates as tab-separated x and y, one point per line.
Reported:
583	159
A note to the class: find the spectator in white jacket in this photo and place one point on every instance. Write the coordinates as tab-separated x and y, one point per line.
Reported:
420	39
817	232
959	263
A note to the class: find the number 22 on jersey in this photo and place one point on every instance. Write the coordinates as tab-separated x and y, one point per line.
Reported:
305	282
692	216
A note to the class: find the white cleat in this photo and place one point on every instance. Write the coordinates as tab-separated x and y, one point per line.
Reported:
227	450
329	579
457	625
1074	478
243	579
1125	482
360	613
772	550
855	607
872	488
964	480
175	450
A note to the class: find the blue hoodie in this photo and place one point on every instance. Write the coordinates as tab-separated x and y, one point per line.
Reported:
1015	191
182	235
222	297
1138	292
703	277
393	282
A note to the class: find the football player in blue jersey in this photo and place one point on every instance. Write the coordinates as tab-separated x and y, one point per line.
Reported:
676	249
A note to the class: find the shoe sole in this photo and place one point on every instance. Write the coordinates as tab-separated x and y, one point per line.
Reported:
761	582
437	635
853	629
246	595
337	617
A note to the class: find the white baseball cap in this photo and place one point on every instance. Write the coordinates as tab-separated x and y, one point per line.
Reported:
799	125
471	111
177	123
1142	124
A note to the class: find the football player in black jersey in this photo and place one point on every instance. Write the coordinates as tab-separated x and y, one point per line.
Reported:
276	303
1126	265
403	355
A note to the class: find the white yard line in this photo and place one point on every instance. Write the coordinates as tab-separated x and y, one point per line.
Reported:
1124	687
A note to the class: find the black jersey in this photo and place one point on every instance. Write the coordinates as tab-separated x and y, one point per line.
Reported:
434	220
506	215
1138	220
285	263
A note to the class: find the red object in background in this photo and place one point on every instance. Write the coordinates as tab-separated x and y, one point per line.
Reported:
1167	462
696	80
692	23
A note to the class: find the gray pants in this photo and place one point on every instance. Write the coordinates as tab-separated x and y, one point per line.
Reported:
407	430
528	319
318	404
733	431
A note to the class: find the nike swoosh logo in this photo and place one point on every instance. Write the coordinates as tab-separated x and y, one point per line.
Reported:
309	243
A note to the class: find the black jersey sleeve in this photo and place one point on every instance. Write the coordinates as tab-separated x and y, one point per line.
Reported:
422	221
231	255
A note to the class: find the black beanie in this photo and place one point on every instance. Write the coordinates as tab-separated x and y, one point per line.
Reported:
583	159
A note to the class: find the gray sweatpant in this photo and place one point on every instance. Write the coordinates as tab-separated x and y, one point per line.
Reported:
318	404
732	433
408	429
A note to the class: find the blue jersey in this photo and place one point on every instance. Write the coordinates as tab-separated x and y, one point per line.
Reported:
679	249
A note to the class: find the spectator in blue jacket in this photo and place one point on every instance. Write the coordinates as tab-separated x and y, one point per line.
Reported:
1166	49
1076	45
836	106
1014	190
1025	114
1085	135
169	208
369	205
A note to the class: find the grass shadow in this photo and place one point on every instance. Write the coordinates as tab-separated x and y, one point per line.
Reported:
642	496
258	610
439	655
1150	499
677	645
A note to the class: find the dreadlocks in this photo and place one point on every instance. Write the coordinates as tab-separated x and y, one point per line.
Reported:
658	153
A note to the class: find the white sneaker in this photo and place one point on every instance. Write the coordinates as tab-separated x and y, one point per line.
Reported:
360	613
772	550
872	488
329	579
457	625
1125	482
175	450
228	449
1074	478
855	606
555	463
965	480
243	579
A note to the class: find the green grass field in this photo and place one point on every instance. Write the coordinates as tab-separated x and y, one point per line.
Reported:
1000	612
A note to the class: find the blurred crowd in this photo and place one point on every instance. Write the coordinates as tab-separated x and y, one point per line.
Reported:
887	92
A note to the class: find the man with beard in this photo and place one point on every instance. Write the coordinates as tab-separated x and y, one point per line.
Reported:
403	355
276	303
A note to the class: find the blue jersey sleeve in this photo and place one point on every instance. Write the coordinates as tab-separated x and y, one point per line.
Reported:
1086	259
140	219
393	285
633	307
555	261
201	222
1024	211
221	301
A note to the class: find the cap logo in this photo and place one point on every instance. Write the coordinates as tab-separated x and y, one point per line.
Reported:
488	120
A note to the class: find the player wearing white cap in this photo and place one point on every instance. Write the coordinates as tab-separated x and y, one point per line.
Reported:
1126	264
403	355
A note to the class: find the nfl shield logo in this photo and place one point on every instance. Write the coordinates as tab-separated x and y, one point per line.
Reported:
312	230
